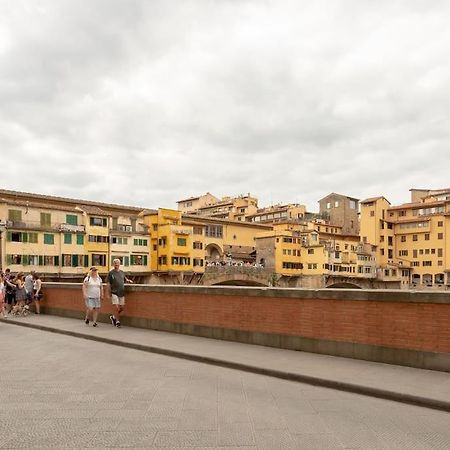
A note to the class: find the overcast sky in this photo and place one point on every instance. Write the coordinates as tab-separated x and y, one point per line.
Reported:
145	102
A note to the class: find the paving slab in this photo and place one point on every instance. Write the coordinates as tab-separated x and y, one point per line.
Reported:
404	384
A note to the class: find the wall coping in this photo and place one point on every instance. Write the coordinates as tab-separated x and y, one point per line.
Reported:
379	295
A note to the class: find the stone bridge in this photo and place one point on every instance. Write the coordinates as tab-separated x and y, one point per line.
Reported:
237	276
259	276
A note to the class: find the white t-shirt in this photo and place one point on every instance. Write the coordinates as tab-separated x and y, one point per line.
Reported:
93	286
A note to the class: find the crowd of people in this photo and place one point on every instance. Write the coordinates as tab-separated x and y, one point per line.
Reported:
19	292
234	264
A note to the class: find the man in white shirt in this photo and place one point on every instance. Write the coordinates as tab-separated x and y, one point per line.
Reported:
92	294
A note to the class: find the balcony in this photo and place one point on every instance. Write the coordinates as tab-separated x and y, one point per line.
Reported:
38	226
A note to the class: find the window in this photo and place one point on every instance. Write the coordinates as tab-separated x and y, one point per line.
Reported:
328	205
310	251
372	213
336	204
414	237
138	260
440	263
46	219
74	260
440	235
403	253
155	227
291	265
80	239
198	230
119	240
98	259
427	236
15	215
181	261
197	245
181	242
352	204
198	262
427	263
214	231
98	221
162	241
16	236
162	260
49	238
440	223
403	238
97	238
390	240
402	213
440	252
67	238
71	219
140	242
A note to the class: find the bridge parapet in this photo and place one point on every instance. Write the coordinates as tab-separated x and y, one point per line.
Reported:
249	275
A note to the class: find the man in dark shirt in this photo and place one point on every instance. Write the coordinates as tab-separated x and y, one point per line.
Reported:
116	287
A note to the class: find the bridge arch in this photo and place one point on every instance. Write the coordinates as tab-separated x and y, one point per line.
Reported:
343	285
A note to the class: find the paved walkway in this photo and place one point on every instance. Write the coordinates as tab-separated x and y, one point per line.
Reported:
58	391
414	386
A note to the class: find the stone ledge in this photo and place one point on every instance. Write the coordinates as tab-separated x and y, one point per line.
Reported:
378	295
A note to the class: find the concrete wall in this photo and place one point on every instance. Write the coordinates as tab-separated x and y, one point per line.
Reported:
407	328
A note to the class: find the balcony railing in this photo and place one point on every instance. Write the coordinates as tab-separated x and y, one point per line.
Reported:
34	225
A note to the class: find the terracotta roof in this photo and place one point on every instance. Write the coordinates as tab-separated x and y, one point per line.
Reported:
27	195
417	205
25	204
191	218
93	210
374	199
187	199
339	195
412	220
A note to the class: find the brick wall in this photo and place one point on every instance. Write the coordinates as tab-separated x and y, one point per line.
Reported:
403	320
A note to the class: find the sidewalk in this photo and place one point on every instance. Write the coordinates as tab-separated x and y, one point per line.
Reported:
404	384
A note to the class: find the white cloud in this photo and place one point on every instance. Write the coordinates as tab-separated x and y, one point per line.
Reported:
147	102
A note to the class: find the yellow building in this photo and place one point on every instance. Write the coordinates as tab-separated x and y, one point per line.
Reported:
230	208
62	238
172	242
278	213
410	238
192	204
314	248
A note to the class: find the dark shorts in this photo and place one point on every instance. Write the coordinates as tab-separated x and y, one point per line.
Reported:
29	297
10	298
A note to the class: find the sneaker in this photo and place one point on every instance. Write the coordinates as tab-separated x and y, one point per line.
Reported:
86	321
117	324
113	320
94	324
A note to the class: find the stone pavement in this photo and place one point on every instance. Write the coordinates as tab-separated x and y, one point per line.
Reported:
414	386
58	391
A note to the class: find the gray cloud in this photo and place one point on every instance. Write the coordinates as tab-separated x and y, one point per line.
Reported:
147	102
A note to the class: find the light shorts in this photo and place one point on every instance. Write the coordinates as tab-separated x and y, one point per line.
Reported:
116	300
92	302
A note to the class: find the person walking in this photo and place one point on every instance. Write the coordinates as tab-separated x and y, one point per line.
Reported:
2	297
29	285
21	295
93	295
116	289
10	290
37	292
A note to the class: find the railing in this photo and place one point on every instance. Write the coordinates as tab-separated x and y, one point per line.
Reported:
34	225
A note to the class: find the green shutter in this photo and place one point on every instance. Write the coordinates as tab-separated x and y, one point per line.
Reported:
49	239
80	239
24	260
8	236
71	219
74	260
56	260
86	260
126	261
24	237
40	260
8	259
145	260
67	238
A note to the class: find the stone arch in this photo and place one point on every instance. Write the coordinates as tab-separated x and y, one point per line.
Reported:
344	285
213	252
